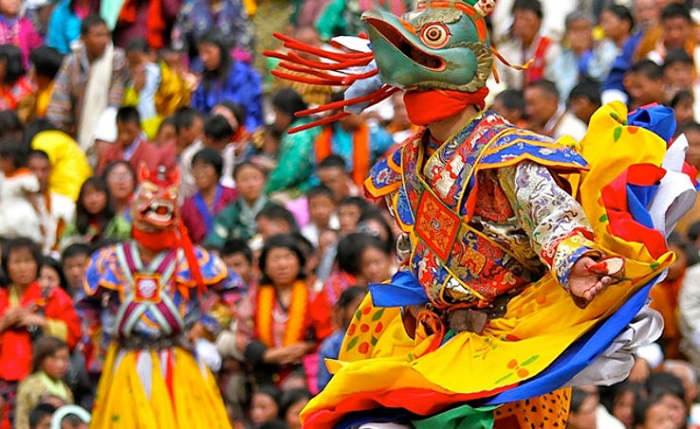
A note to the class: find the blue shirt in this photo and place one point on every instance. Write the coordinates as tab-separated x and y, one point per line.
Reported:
64	28
330	348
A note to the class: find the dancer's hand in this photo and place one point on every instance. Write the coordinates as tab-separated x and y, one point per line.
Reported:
586	284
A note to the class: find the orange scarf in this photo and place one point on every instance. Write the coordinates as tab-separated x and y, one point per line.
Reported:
295	327
155	24
426	107
360	151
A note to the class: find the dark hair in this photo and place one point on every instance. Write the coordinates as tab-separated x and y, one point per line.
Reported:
82	217
350	249
35	127
333	161
679	97
46	60
662	383
291	397
128	115
512	99
349	295
288	101
75	249
238	168
9	123
44	347
210	157
274	424
578	397
237	245
320	191
622	13
587	89
615	392
687	126
90	22
284	241
11	55
648	68
354	201
678	55
676	10
236	110
15	150
215	38
114	164
37	153
168	121
375	215
185	116
218	129
38	413
138	44
278	213
21	243
546	86
531	5
48	261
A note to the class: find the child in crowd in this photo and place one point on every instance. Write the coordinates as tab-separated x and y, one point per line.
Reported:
644	83
333	172
350	210
218	135
40	416
375	261
584	100
18	193
238	257
293	401
95	218
679	72
322	215
265	405
45	62
682	104
510	104
237	220
274	220
347	304
51	275
49	365
625	396
653	413
199	210
74	261
145	81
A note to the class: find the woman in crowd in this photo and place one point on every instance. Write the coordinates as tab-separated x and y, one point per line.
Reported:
27	312
51	275
275	325
17	30
227	79
121	183
13	84
95	217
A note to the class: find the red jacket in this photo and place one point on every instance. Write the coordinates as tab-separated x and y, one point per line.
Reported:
16	343
145	152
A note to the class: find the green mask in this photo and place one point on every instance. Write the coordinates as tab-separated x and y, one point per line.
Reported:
442	44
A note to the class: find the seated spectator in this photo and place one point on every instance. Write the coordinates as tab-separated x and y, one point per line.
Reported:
644	83
617	24
14	85
49	365
568	68
345	307
322	213
265	405
239	147
273	220
121	183
683	103
132	146
189	126
40	416
18	30
275	323
584	100
238	219
95	218
678	72
55	210
227	79
218	135
51	275
200	210
685	372
46	62
69	165
18	194
74	261
332	172
350	210
587	412
293	174
238	257
625	396
144	83
176	83
511	105
25	313
653	413
547	115
293	401
671	393
676	30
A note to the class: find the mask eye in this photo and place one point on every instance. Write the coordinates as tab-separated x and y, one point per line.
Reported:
435	35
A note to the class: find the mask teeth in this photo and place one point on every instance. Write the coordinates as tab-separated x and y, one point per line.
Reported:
485	7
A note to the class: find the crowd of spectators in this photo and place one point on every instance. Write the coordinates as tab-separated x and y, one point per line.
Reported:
93	90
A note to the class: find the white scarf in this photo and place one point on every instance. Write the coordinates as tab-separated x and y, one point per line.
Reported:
96	98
